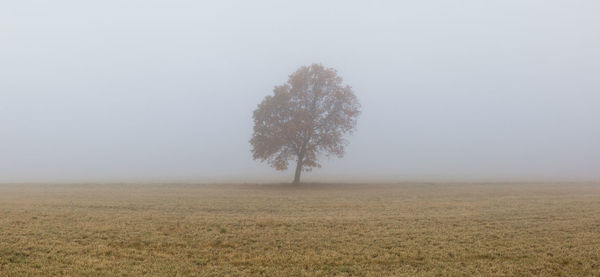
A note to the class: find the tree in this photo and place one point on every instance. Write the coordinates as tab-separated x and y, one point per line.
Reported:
307	116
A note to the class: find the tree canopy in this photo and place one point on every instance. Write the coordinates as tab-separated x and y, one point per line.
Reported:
307	116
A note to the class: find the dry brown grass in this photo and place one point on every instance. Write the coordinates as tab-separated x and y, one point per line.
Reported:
318	229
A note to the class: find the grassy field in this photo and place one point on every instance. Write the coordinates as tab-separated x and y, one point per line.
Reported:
311	229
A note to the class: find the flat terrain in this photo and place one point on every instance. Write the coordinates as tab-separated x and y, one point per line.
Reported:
311	229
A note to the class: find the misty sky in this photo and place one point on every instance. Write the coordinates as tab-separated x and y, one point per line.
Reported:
164	90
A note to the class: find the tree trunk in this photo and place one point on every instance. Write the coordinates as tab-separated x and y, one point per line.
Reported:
298	170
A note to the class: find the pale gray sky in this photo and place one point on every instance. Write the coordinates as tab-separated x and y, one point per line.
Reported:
142	90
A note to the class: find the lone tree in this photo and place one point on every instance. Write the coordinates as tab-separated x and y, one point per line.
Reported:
304	117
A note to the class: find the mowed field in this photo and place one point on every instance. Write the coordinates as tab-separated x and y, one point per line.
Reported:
413	229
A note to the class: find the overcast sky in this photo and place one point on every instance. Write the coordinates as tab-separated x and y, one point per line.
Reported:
140	90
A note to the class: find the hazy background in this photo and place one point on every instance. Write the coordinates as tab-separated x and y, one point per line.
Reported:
164	90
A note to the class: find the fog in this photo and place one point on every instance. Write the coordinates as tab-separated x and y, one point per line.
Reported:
164	90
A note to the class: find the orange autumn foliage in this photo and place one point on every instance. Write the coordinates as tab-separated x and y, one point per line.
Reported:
307	116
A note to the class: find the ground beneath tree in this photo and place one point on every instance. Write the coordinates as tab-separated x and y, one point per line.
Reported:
314	229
